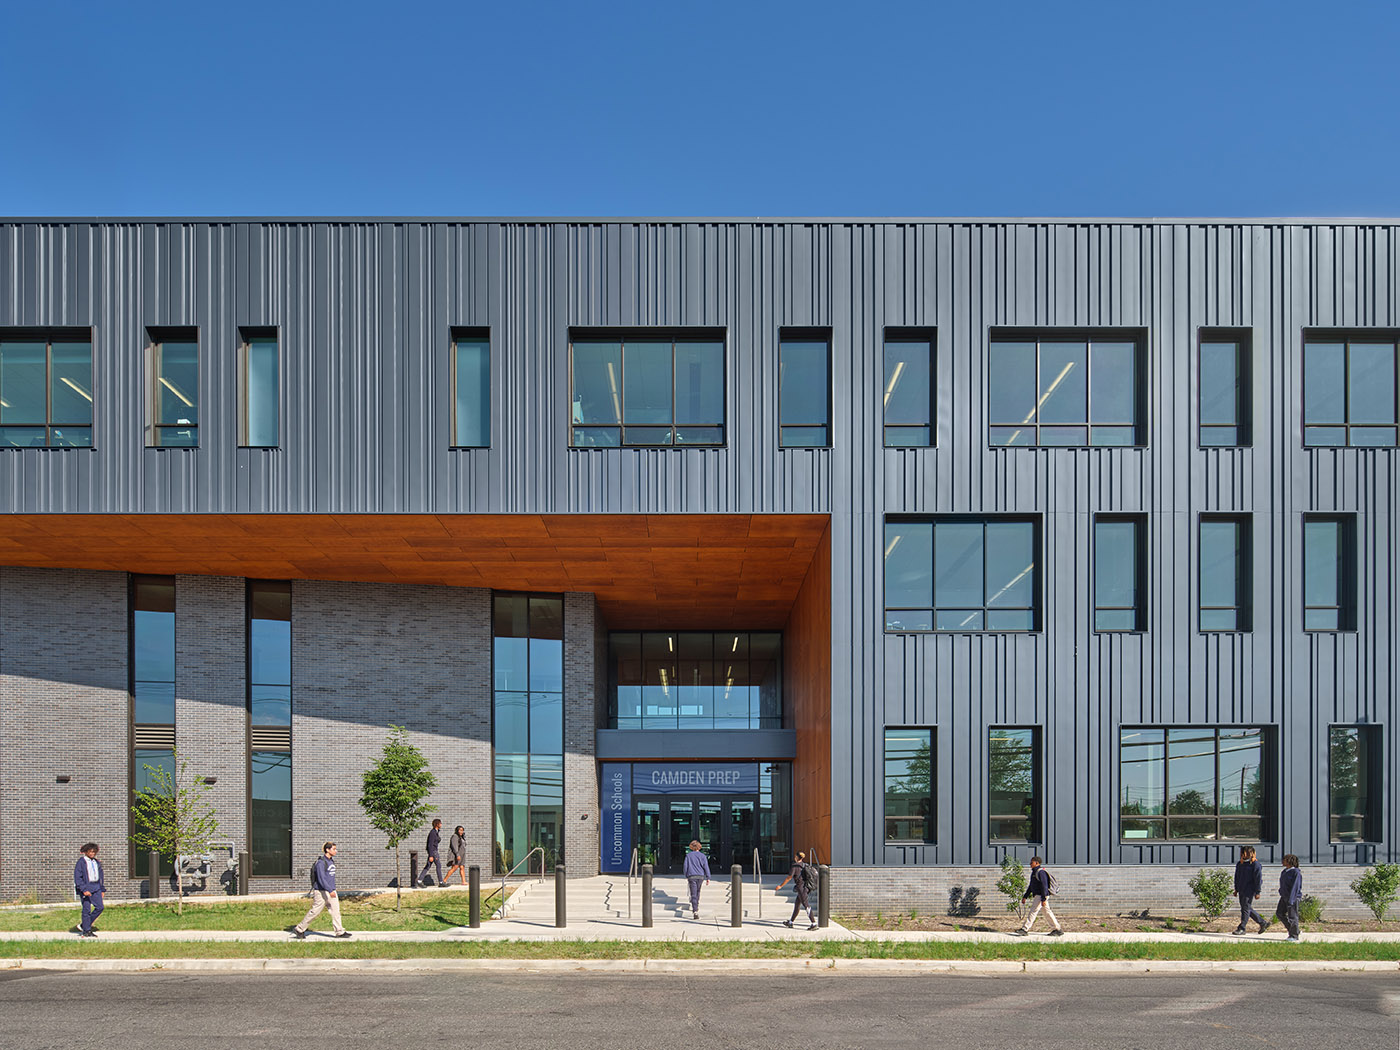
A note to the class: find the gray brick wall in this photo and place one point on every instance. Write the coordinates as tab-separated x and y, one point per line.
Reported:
580	703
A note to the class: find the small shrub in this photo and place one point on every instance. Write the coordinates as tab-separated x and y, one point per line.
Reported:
1378	888
1211	887
1310	908
1012	882
913	914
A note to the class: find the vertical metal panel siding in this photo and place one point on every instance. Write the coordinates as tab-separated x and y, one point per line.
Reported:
364	311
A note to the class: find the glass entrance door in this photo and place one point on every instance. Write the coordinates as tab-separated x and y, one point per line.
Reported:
681	826
649	833
725	828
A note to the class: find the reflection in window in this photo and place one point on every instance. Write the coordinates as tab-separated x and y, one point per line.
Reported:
804	392
1356	786
269	610
1329	572
908	398
961	574
641	390
1120	560
1206	783
471	385
46	389
270	812
1013	779
695	680
1223	385
153	650
908	784
1226	575
259	387
1349	392
1066	392
146	767
174	378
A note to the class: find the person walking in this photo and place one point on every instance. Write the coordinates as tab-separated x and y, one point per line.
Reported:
457	855
89	885
1039	887
434	850
1290	892
1249	884
803	877
697	870
323	896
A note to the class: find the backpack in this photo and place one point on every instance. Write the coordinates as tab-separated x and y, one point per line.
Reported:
809	877
1050	883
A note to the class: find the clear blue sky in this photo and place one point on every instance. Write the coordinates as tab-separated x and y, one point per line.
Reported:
668	108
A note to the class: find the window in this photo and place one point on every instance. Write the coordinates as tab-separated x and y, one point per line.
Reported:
1120	572
909	375
695	680
1349	393
1223	388
151	667
647	388
1226	573
471	386
173	373
46	388
1329	572
1208	783
259	388
1356	761
804	388
1067	388
962	574
269	605
908	784
1013	784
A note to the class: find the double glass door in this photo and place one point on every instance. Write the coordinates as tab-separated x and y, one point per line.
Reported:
725	828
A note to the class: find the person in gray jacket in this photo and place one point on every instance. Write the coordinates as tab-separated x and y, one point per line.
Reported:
1290	892
1249	884
457	856
697	869
323	895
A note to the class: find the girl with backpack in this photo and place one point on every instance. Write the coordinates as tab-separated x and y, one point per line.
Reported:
803	877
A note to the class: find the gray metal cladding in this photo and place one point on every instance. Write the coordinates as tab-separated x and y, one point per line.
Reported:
364	310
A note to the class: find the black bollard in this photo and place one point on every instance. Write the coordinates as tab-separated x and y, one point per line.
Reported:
561	918
245	871
412	869
824	895
153	859
474	895
646	895
736	895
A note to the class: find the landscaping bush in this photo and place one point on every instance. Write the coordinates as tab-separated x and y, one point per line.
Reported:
1012	882
1378	888
1212	887
1310	908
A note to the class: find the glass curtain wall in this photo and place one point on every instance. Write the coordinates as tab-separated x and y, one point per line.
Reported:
269	605
695	680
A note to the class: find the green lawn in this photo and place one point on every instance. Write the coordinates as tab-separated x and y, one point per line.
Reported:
422	910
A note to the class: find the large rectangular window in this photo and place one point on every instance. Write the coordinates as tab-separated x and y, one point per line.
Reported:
1226	572
46	388
804	388
269	606
1356	783
471	387
909	812
962	574
1349	389
647	388
1329	572
695	680
151	670
1013	784
1223	386
173	374
1067	388
1120	572
909	393
1209	783
260	388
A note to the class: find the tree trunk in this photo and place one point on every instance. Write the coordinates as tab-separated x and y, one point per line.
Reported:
398	880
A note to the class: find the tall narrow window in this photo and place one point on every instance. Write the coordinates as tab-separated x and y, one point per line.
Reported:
1013	778
1356	784
173	371
151	663
909	812
260	389
1349	389
908	399
962	574
471	386
804	388
1120	573
46	388
1226	573
1329	572
1210	783
269	604
1223	385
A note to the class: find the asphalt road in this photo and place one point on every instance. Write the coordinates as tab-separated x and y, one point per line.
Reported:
613	1012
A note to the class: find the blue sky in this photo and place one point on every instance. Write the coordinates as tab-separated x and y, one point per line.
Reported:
596	108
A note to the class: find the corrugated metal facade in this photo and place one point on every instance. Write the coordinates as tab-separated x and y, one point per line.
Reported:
365	308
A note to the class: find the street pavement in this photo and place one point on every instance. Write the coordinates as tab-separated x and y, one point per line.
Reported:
590	1011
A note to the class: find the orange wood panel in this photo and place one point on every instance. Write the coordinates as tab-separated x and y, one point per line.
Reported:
807	691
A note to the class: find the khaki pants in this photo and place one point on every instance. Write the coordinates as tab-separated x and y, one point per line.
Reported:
321	901
1041	902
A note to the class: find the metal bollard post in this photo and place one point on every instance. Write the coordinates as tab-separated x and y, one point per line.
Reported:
153	860
646	895
736	895
824	895
561	917
474	896
245	872
412	869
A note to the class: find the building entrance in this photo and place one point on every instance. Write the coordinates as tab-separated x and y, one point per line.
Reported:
725	828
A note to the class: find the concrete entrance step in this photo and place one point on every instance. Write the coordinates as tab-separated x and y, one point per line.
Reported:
605	897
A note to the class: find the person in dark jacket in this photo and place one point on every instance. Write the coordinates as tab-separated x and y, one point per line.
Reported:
1290	892
799	877
1039	888
88	882
323	896
434	850
1249	884
697	868
457	855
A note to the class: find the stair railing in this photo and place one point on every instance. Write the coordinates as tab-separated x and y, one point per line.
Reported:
526	862
758	881
631	874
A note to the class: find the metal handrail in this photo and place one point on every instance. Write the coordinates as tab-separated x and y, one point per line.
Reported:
631	873
758	880
526	862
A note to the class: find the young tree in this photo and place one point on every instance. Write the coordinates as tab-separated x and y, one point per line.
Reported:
173	816
393	793
1013	884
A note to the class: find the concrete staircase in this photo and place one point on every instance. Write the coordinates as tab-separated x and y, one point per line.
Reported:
603	899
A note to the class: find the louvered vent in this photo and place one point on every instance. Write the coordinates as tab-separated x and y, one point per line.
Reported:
272	738
155	738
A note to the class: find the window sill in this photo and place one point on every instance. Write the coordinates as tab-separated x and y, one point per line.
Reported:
901	630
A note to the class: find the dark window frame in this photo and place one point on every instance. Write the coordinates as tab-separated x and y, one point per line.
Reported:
1243	339
247	335
930	836
131	724
50	335
1347	336
1347	582
1037	816
156	338
1140	581
810	334
249	685
1371	738
1244	573
915	336
474	334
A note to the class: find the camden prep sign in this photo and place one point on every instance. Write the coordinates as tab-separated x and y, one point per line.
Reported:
621	781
